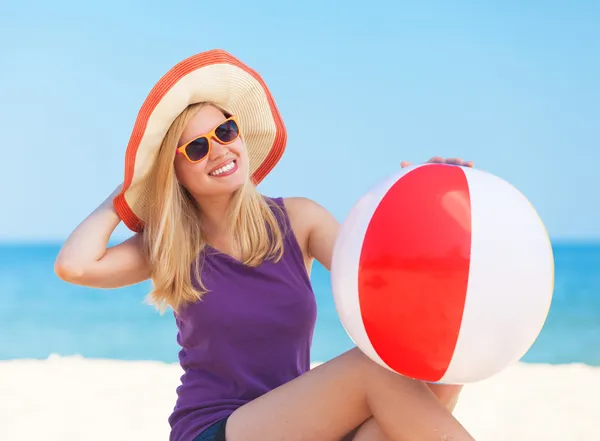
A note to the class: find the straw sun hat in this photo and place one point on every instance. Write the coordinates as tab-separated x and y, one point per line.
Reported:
214	76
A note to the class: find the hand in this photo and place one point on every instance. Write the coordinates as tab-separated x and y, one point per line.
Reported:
438	160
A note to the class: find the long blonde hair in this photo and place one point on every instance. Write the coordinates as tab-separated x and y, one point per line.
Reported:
173	238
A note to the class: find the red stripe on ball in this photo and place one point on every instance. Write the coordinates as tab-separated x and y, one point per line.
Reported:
414	270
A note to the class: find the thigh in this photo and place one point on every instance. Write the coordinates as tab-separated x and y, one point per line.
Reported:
330	401
447	394
369	431
324	404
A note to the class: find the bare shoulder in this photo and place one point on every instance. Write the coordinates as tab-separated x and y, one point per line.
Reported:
302	209
314	226
304	213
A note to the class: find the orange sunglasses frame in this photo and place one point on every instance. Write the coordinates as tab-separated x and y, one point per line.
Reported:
210	135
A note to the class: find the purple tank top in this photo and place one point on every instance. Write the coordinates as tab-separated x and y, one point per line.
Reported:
251	333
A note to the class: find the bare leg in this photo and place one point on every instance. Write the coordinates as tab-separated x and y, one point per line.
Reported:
336	397
370	430
447	394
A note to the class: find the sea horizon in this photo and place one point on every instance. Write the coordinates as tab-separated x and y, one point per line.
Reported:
44	316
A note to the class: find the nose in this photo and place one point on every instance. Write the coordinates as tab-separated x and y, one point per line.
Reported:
217	150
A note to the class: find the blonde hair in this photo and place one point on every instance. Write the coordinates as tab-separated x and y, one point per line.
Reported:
173	238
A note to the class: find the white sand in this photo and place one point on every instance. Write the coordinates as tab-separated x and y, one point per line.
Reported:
74	399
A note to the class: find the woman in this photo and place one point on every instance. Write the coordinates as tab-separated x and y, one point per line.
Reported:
234	266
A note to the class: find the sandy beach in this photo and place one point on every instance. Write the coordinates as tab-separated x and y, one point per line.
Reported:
71	398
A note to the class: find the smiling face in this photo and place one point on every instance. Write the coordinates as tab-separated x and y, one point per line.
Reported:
223	170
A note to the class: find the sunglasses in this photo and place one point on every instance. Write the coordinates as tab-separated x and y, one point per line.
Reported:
198	148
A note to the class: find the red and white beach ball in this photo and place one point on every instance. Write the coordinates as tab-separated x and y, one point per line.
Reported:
443	273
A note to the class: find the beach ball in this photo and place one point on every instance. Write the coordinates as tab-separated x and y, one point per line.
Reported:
443	273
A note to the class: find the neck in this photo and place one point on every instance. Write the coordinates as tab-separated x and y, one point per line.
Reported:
214	215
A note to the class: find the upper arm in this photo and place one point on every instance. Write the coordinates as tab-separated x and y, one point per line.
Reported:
121	265
315	228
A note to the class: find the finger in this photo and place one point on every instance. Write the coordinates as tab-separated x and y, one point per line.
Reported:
436	160
405	164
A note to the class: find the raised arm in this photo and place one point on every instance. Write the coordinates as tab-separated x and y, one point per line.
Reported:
84	259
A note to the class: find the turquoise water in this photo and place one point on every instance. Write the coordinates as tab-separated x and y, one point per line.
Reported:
41	315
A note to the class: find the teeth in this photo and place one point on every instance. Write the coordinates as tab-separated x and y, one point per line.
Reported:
223	169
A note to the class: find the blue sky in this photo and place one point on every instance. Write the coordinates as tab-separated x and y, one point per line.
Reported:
512	86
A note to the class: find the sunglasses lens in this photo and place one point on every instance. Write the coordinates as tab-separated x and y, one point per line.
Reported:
198	149
227	131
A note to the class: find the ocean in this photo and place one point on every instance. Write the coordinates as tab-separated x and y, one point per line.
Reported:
41	315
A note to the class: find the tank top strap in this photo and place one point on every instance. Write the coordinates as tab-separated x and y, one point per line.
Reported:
277	206
292	249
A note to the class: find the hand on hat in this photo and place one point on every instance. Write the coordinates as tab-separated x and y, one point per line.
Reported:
439	160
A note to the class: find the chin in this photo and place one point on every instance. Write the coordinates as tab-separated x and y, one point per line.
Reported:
236	185
222	186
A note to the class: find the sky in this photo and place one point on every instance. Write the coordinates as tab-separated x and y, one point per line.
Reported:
511	85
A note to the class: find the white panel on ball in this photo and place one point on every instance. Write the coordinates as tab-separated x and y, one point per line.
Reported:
510	284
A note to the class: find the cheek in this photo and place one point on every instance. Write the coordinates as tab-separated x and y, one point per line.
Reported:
179	167
188	173
240	152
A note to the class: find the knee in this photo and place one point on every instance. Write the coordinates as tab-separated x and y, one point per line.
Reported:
447	394
367	366
358	357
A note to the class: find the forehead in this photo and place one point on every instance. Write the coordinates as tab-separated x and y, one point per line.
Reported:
206	119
